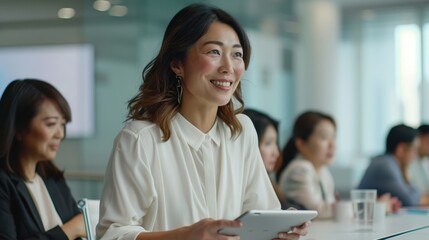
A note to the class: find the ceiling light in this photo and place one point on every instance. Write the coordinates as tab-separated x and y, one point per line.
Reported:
101	5
66	13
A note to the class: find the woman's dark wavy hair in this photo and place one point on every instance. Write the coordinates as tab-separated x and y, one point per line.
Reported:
303	128
19	104
157	97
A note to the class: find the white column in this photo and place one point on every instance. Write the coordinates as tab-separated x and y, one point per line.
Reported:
322	82
316	56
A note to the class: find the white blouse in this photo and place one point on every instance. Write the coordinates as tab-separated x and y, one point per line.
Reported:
153	185
312	189
40	195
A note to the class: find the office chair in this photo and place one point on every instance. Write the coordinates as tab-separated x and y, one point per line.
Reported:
90	210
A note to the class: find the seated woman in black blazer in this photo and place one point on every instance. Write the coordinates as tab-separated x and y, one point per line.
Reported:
35	201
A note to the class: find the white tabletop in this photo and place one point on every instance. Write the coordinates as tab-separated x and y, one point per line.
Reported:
415	235
400	225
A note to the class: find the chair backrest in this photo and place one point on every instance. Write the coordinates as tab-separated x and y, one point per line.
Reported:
90	210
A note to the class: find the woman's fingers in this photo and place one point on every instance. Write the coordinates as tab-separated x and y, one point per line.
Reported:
227	223
302	230
288	236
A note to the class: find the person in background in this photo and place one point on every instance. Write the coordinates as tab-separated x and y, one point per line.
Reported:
35	201
267	130
187	162
303	176
388	173
419	168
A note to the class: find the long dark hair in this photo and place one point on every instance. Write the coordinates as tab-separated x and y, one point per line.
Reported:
19	104
157	97
261	121
303	128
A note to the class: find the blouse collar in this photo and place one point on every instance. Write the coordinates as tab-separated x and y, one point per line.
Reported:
194	136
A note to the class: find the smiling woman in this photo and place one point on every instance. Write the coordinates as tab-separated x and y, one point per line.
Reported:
36	201
187	161
211	72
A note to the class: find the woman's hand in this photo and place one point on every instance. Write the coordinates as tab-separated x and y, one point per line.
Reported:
75	228
296	232
208	229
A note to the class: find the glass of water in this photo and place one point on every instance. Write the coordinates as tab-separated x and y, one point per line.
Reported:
363	201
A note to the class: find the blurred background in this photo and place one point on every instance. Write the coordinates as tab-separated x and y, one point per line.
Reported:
365	62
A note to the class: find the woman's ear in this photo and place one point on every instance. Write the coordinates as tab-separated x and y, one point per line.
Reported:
177	68
299	143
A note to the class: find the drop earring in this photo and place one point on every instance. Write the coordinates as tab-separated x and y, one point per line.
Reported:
179	88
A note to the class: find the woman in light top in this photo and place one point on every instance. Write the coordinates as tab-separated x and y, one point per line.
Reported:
187	163
35	201
303	176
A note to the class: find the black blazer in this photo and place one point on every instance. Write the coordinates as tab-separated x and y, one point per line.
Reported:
19	218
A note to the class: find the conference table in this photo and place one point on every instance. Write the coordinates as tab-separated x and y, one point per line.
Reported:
405	225
414	235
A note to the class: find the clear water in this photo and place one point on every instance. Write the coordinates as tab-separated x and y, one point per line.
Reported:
364	213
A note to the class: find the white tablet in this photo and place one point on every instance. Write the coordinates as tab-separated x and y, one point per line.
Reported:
267	224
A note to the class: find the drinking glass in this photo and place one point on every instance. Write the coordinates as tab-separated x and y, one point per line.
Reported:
363	201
